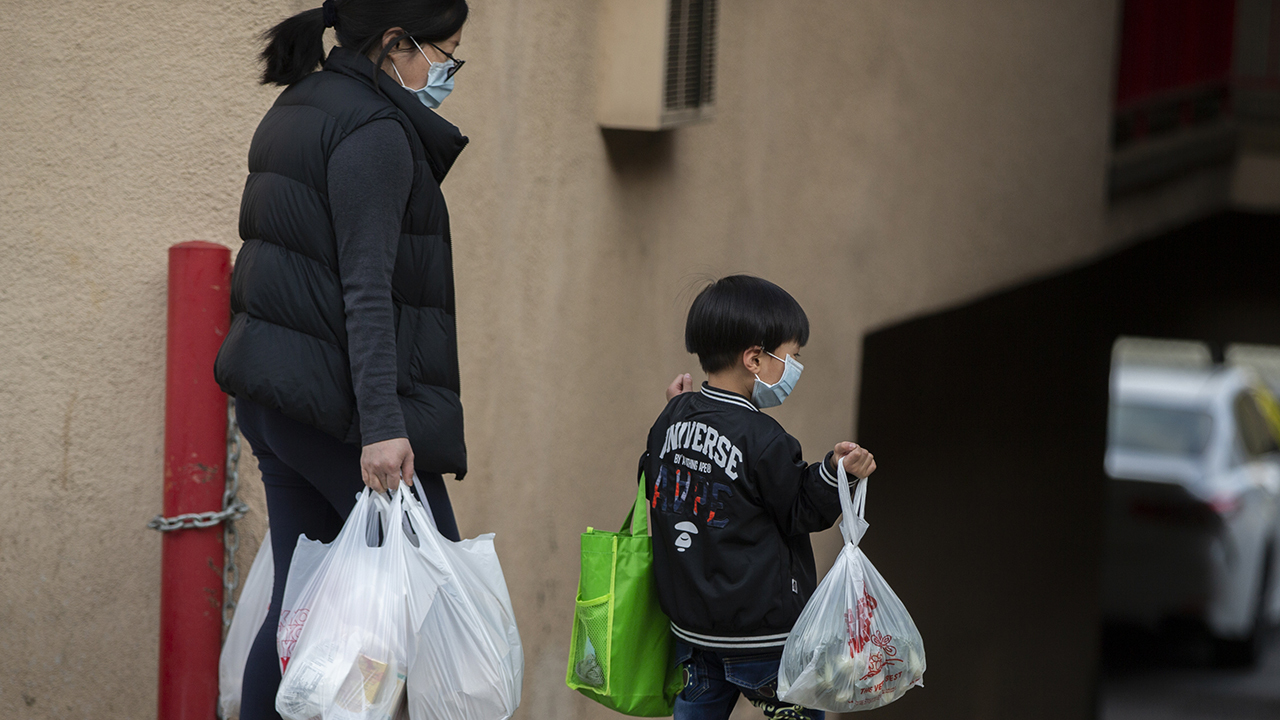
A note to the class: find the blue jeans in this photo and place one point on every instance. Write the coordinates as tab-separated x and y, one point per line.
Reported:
712	683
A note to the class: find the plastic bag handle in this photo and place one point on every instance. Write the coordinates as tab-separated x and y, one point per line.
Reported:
385	515
377	511
413	504
424	524
851	507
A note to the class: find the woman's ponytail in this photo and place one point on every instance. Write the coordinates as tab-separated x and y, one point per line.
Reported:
294	48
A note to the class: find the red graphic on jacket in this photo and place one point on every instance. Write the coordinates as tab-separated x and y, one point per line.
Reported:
691	495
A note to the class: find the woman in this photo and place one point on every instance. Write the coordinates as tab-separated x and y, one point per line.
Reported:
342	352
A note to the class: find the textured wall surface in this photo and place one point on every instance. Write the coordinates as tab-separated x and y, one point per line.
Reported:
879	159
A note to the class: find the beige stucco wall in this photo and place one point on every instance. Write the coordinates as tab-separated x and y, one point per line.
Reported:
878	158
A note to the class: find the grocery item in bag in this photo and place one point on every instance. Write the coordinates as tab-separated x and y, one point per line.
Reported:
854	646
349	624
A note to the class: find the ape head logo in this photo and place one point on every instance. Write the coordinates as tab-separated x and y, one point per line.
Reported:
686	530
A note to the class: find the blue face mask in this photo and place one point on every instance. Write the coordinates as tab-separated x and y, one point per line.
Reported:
439	81
765	395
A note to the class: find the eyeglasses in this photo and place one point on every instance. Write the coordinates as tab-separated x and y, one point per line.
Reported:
457	64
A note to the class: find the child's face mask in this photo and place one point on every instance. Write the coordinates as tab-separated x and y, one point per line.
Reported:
765	395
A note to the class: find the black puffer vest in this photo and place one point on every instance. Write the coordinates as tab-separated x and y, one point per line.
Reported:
287	347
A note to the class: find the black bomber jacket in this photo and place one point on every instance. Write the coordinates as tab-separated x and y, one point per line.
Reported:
732	503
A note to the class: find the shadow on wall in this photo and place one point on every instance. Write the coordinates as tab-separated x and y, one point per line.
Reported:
639	153
642	164
991	421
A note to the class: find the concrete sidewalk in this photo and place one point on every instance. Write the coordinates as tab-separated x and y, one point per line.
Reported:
1162	690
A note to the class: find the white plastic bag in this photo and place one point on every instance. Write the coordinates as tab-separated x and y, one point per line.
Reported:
251	611
854	646
308	555
468	662
347	631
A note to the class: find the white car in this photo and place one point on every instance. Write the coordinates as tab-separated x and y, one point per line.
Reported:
1193	503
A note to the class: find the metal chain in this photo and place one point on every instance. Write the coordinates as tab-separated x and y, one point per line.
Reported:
197	520
232	510
231	501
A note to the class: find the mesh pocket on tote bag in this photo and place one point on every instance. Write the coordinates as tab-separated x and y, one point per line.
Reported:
621	651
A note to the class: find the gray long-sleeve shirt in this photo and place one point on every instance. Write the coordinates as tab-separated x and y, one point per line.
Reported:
370	175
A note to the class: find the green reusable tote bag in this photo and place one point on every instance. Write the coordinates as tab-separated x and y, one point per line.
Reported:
622	654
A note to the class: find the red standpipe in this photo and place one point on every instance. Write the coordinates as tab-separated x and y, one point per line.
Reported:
195	452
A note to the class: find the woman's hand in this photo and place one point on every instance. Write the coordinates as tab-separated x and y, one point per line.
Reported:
858	462
383	464
682	384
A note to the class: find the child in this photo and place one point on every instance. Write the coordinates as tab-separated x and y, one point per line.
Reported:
733	501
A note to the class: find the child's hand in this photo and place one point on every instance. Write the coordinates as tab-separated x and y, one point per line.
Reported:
858	462
682	384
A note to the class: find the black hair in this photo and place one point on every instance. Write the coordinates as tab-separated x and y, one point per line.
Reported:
296	46
739	312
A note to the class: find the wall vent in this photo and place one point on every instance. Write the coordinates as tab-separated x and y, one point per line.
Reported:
658	60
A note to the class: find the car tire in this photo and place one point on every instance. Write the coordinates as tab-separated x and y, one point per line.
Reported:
1237	653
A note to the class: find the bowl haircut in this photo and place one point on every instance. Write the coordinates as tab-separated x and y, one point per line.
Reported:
739	312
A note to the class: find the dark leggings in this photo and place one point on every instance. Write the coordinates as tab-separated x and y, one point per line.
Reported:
311	480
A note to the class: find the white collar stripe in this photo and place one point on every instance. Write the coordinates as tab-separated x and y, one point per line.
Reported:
728	398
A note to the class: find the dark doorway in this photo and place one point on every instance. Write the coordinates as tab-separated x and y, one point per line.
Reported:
991	419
